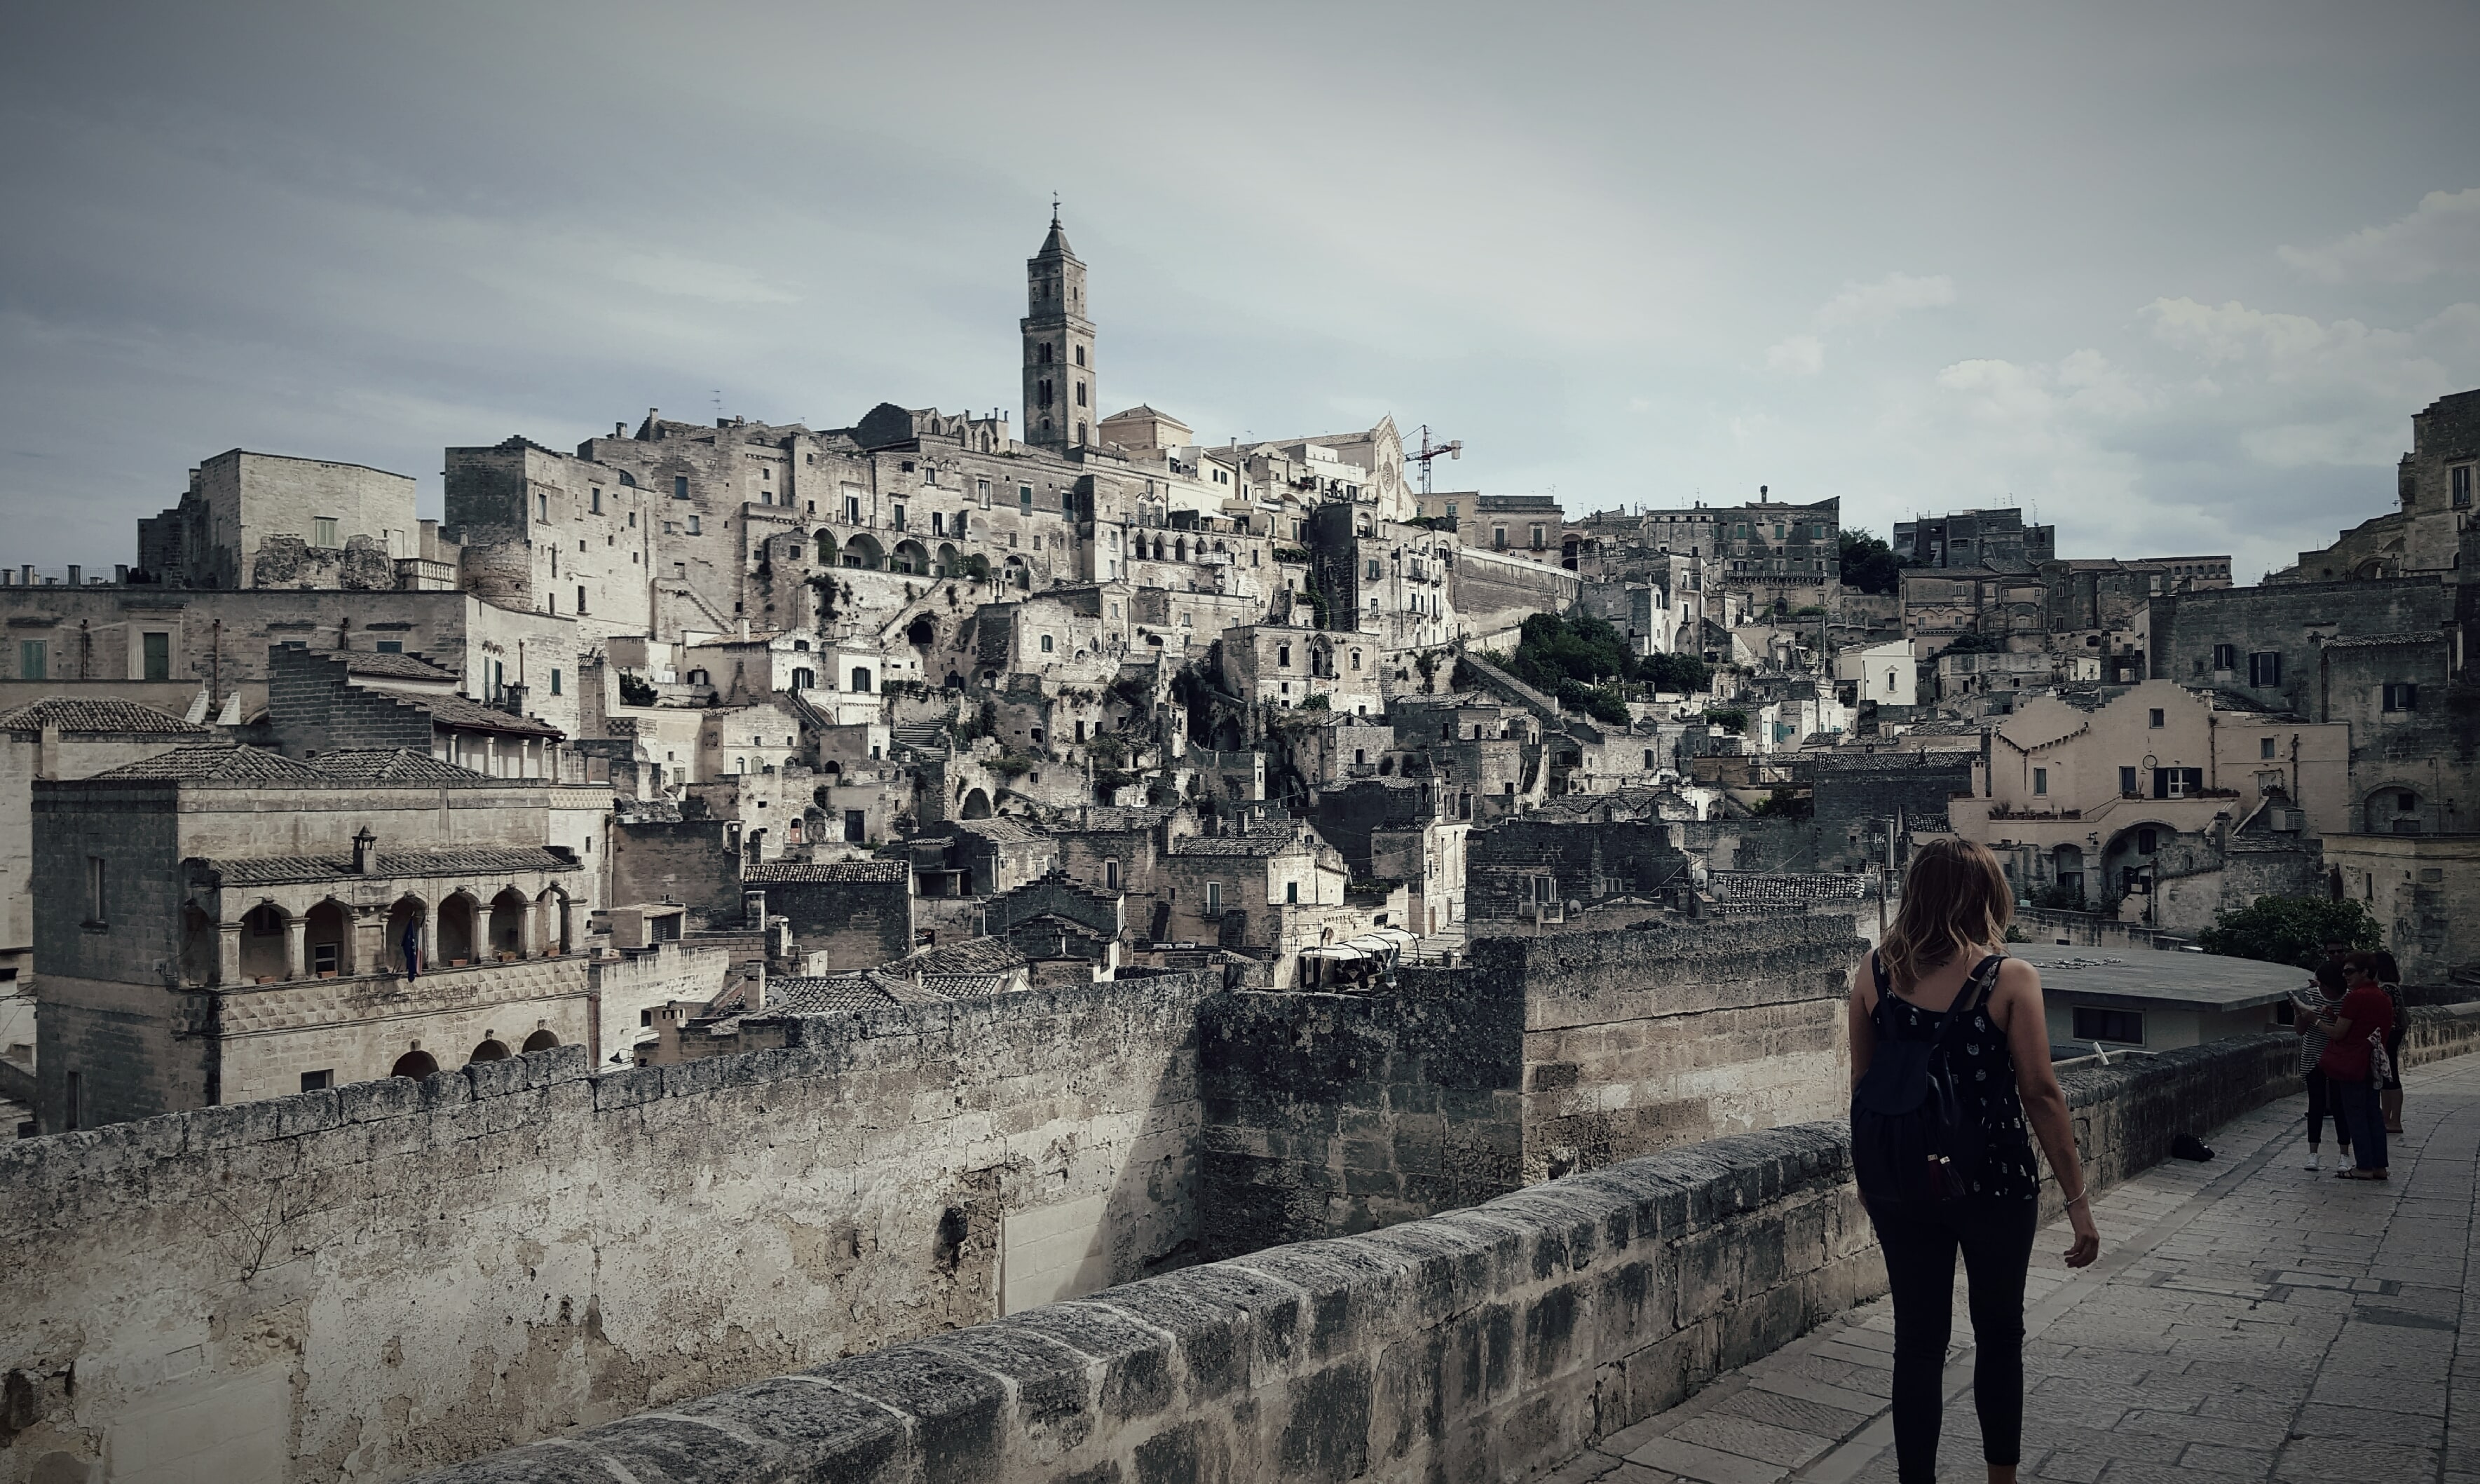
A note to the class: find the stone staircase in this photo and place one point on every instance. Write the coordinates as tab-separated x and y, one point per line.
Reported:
928	738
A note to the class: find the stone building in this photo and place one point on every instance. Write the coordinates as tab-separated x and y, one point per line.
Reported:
2128	801
217	643
1998	539
2424	532
62	737
236	922
263	520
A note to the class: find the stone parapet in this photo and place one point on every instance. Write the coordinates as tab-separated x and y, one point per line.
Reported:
1466	1345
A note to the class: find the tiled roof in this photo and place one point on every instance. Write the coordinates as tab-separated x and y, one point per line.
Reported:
472	716
2372	641
363	661
998	829
970	955
1233	844
397	766
465	861
98	713
761	871
228	764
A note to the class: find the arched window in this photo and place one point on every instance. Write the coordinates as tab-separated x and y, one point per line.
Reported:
416	1063
1355	658
541	1041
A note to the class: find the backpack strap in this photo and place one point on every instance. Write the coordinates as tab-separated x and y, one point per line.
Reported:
1978	988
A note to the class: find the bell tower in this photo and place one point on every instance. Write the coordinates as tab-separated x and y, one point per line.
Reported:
1061	405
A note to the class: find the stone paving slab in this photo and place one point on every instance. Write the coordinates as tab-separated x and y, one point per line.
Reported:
2248	1319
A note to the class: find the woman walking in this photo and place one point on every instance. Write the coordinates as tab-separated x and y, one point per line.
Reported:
2311	1009
2352	1029
1940	998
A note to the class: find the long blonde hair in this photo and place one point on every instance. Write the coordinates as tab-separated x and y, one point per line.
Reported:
1955	898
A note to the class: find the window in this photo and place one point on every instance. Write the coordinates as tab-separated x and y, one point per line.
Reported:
2040	780
96	904
852	508
1283	656
542	506
1498	536
938	523
555	674
390	646
2265	668
2152	718
693	524
1291	892
1080	355
2127	782
1213	898
1080	401
318	1081
1451	509
2225	657
2400	695
633	520
1373	569
324	957
2460	478
1046	643
2098	1024
1043	356
1355	658
1024	498
1536	538
1110	875
594	498
322	530
2147	842
855	828
155	654
899	517
860	678
581	598
33	662
680	486
2264	746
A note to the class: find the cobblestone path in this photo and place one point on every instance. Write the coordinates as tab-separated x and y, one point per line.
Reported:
2248	1319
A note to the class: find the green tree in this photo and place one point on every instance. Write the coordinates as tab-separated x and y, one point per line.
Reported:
1870	565
1684	674
2290	929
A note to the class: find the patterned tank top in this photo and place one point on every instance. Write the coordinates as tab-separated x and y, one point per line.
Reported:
1986	1069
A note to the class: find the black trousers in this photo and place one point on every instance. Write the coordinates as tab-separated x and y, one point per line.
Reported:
1996	1239
2320	1101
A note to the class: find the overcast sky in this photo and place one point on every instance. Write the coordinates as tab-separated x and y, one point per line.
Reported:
2177	277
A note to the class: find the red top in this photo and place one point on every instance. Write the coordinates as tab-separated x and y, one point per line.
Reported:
2367	1009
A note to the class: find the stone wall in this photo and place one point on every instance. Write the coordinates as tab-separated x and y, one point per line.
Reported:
1476	1345
1330	1113
386	1277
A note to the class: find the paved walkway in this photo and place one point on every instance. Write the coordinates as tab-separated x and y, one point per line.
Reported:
2247	1321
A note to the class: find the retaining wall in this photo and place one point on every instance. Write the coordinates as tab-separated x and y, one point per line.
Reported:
1473	1346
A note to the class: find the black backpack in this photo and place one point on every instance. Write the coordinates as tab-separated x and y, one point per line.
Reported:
1914	1142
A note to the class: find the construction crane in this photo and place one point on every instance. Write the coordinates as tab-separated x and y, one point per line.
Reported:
1428	454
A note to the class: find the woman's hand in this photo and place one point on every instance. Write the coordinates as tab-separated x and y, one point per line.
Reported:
2087	1243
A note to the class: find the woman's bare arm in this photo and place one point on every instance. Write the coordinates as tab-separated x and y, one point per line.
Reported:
2017	1008
1864	1031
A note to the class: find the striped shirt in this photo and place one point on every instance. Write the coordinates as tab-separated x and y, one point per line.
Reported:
2313	1039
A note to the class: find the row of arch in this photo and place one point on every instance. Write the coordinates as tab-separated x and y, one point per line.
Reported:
276	943
418	1063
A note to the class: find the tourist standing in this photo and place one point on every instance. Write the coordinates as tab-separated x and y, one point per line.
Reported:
2390	1094
2353	1027
2310	1007
1939	993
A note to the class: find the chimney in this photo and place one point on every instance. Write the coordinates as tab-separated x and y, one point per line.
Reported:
1761	494
77	577
619	430
366	852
